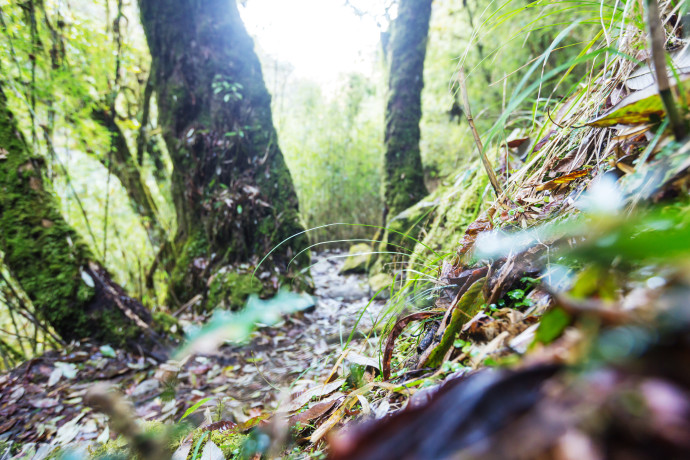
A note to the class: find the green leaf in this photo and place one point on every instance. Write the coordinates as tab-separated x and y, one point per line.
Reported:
469	305
198	445
236	326
107	351
552	325
192	409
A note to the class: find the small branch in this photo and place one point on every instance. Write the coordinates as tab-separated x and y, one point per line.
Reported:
142	138
498	190
657	38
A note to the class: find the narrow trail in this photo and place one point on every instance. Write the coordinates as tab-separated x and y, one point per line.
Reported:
41	402
295	354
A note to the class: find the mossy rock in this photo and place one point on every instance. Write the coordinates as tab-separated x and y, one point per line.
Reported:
383	282
357	260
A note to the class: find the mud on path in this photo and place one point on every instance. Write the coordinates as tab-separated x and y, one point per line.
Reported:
42	401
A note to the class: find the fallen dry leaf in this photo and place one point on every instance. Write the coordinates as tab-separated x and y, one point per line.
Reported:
552	184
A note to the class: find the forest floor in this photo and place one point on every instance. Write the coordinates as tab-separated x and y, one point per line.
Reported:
42	402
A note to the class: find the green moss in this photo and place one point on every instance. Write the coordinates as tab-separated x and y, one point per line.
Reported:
228	441
166	324
120	447
183	283
48	259
230	289
204	96
403	184
401	236
359	259
459	205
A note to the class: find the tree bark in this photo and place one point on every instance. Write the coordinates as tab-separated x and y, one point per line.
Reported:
232	190
403	172
68	288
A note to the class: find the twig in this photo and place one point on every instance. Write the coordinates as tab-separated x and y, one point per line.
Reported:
123	421
657	38
498	190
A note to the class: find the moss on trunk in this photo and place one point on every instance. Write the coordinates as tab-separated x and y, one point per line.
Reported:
232	190
403	173
69	290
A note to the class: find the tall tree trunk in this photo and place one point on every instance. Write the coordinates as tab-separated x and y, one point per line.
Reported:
403	173
232	190
68	288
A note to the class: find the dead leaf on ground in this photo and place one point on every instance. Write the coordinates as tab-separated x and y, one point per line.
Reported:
552	184
318	391
480	225
315	411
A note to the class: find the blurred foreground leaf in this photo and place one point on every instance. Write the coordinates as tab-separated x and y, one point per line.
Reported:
236	326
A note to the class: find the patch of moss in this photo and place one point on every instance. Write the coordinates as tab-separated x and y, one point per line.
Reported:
183	284
358	259
46	256
166	324
120	448
459	205
230	289
228	441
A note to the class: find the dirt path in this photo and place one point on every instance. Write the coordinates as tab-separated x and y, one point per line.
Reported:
41	403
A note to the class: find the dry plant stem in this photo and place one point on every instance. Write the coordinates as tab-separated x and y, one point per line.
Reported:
657	38
123	421
498	190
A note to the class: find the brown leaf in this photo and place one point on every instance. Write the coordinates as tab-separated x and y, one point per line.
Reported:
517	142
480	225
223	425
543	141
44	403
314	412
301	398
552	184
7	424
395	332
3	154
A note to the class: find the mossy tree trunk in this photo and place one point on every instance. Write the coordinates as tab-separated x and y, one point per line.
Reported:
232	190
68	288
403	173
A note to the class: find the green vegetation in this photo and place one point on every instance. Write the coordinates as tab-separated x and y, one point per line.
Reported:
177	204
